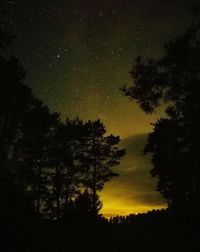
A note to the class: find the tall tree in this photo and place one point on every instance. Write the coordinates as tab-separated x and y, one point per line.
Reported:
99	155
67	144
33	149
175	142
15	97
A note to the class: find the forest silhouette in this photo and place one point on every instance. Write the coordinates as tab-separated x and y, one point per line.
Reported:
52	171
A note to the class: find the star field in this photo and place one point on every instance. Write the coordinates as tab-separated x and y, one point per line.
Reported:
78	54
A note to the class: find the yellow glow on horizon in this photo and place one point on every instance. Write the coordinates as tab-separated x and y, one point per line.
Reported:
116	202
123	211
123	118
133	191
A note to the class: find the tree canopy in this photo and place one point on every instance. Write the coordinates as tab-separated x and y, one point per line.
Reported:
175	141
48	161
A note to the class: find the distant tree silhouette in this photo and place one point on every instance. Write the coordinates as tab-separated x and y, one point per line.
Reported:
83	207
175	142
99	155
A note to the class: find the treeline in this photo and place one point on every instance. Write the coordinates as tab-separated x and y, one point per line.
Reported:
59	167
153	216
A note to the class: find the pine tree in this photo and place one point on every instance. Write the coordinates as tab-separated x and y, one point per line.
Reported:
99	155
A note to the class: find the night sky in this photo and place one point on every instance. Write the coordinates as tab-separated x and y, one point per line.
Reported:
78	53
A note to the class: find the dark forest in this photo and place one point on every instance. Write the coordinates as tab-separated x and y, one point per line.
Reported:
53	168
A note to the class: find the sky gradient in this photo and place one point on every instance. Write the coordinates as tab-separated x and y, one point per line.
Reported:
78	53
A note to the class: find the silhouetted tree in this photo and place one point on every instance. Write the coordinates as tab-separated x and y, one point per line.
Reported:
175	142
83	207
99	155
32	149
15	209
74	142
14	99
66	146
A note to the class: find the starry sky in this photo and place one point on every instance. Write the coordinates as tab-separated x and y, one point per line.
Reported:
78	53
